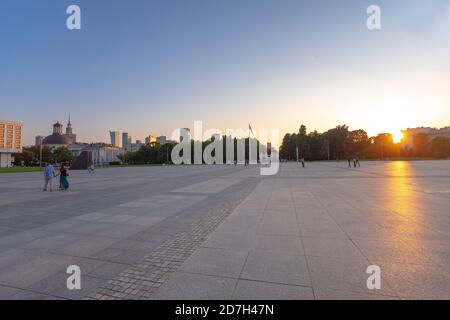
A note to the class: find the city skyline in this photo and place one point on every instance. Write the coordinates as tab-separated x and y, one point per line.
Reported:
239	153
165	65
118	135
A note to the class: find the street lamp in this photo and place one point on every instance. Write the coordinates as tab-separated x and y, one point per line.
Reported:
40	154
328	149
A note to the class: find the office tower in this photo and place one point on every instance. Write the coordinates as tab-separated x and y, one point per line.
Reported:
125	140
115	138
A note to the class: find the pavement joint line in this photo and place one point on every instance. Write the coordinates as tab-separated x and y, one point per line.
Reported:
248	252
246	279
352	241
32	291
154	269
303	245
398	221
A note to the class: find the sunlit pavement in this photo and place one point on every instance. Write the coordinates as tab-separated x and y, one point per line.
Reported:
307	233
312	233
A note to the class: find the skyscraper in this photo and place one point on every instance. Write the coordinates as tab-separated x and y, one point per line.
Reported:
115	138
125	140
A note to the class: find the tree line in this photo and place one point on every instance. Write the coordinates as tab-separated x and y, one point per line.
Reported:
160	154
31	156
336	143
147	154
342	143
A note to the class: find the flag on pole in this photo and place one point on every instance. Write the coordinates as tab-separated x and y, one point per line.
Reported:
250	128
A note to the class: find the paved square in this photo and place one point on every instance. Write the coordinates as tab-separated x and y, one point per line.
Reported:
220	232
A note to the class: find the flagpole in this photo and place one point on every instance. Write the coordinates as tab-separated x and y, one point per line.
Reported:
249	144
249	147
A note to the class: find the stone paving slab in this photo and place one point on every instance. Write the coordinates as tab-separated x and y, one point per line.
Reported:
224	232
106	224
311	234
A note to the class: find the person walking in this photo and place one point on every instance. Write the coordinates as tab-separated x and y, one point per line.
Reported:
91	168
49	174
63	180
349	163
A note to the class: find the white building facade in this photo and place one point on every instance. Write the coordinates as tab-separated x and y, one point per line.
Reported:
104	154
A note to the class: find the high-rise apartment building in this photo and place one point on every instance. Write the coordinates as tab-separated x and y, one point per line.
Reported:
10	141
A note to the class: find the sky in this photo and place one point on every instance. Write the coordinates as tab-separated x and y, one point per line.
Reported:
151	66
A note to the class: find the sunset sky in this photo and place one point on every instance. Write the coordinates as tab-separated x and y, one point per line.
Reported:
152	66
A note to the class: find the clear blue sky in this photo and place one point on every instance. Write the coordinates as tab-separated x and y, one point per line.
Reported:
146	66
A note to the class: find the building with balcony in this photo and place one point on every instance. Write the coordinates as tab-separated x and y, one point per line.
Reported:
11	139
431	133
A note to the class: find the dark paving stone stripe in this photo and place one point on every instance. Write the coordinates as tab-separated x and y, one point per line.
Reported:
145	277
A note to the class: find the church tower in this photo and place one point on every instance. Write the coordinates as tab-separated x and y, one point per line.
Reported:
57	128
69	127
69	132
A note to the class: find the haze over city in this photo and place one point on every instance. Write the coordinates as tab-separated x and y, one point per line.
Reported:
157	66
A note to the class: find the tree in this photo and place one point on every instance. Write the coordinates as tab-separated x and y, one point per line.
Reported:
287	148
126	157
337	138
46	153
149	154
383	146
341	143
31	156
357	143
421	145
302	143
318	146
25	158
62	154
440	147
